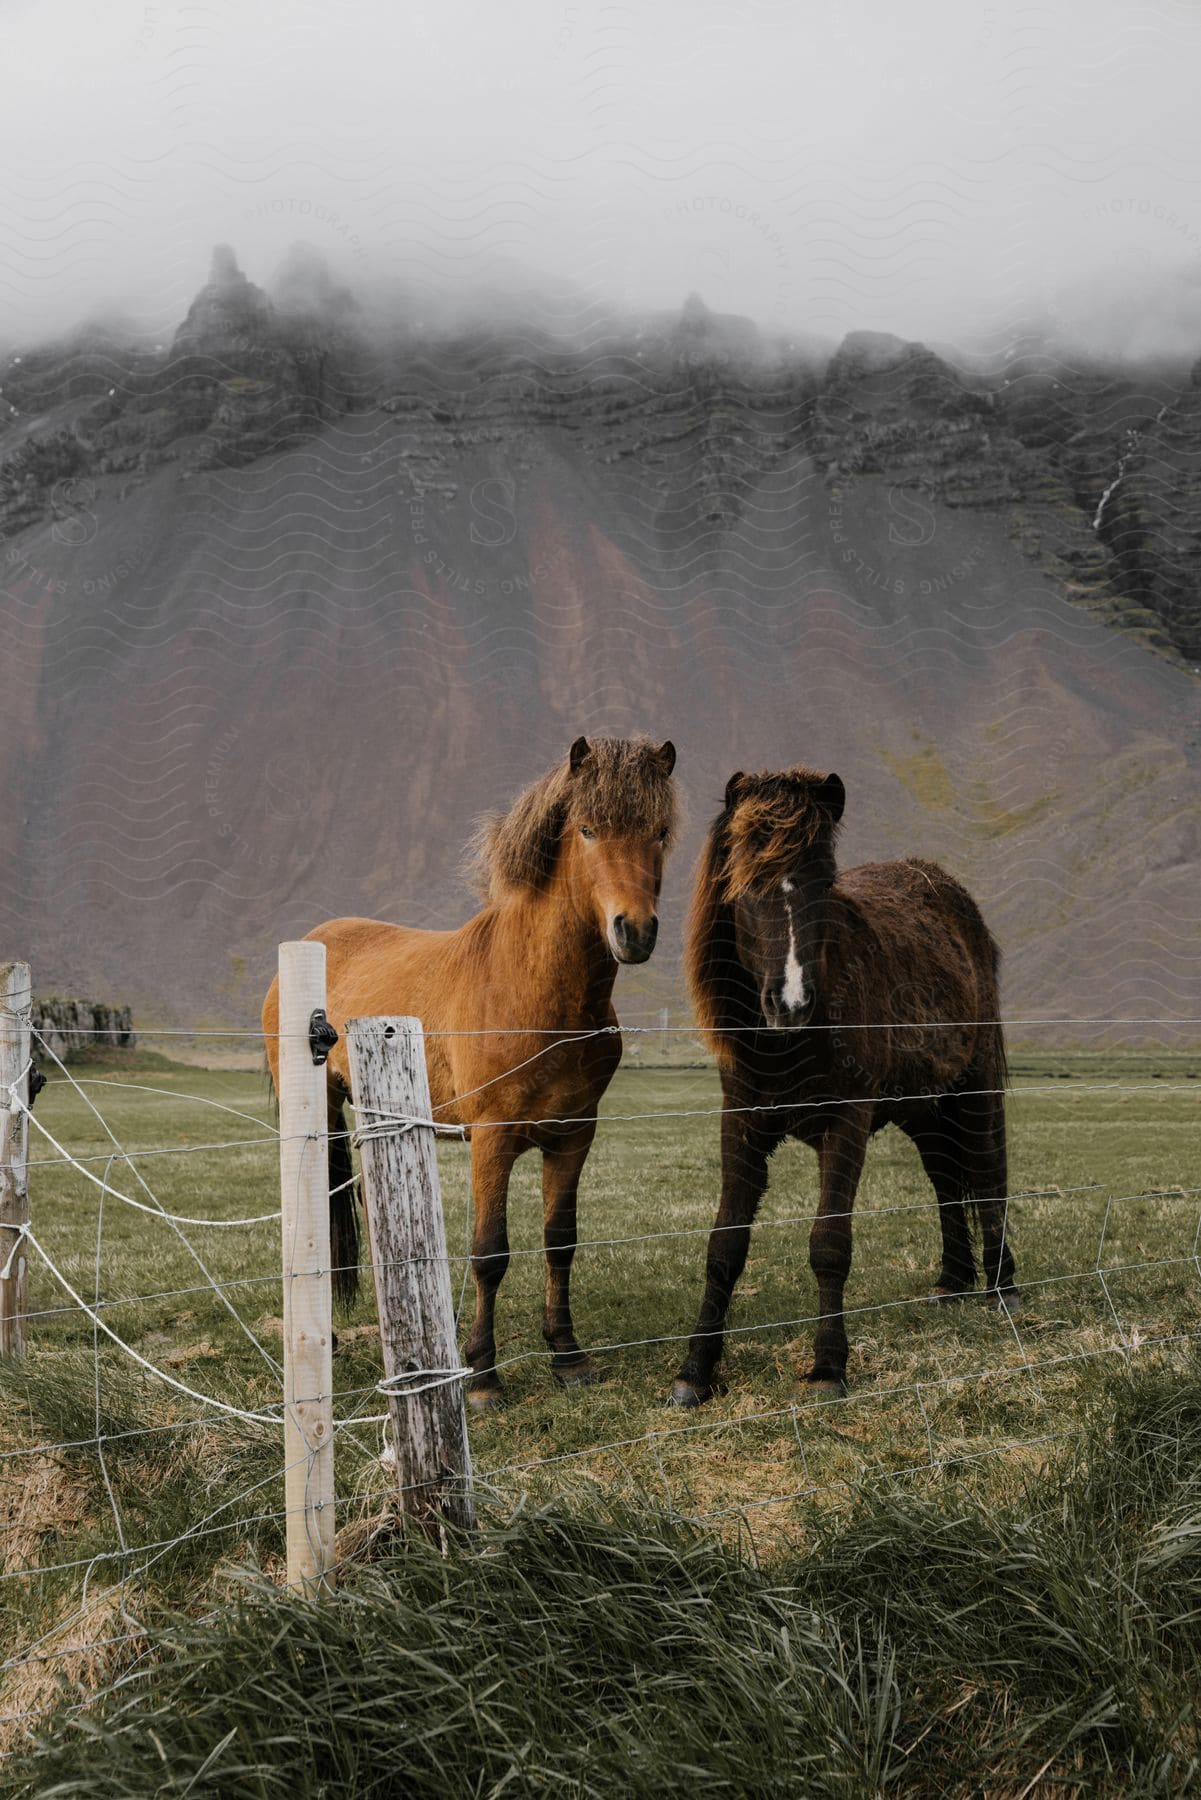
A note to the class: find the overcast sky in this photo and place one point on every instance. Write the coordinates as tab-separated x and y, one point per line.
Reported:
945	168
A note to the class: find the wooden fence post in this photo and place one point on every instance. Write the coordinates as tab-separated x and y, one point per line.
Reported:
412	1276
16	998
308	1298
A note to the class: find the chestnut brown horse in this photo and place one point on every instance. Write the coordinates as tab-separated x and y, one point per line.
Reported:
570	879
837	1003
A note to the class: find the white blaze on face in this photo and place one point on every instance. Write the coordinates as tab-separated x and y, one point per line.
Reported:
794	993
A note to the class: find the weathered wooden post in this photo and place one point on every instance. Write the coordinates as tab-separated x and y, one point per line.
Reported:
308	1298
422	1378
16	999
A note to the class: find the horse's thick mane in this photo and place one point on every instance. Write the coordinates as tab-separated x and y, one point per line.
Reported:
621	788
773	821
711	966
768	822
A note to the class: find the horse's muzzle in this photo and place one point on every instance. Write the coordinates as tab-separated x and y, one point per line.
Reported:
631	943
778	1015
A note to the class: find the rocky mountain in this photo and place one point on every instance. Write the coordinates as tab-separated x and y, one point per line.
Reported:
242	378
289	600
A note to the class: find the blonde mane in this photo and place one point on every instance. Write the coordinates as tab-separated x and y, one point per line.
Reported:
622	788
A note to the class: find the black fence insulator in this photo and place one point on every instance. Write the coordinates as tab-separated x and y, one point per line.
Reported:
322	1036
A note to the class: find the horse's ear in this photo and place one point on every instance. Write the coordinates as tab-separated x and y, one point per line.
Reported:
833	796
580	751
665	757
732	787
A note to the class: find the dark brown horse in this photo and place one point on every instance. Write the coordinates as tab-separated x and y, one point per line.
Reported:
571	878
838	1003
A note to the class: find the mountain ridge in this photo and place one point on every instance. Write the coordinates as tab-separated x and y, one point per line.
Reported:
299	604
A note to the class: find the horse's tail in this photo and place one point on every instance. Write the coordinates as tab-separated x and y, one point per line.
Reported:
981	1112
343	1212
984	1153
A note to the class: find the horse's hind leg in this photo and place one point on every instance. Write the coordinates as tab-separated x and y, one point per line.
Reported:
561	1170
493	1154
939	1148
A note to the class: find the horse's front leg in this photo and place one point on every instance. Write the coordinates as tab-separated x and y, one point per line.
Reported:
744	1153
493	1153
840	1156
561	1171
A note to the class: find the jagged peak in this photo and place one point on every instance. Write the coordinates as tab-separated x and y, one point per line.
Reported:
912	369
873	352
228	305
223	268
305	284
730	334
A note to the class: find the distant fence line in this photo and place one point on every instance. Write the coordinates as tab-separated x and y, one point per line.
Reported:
117	1025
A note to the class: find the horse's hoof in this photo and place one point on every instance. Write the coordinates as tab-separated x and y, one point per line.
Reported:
824	1387
942	1296
1006	1300
579	1374
486	1399
687	1394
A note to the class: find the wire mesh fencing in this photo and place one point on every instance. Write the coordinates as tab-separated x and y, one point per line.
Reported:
141	1450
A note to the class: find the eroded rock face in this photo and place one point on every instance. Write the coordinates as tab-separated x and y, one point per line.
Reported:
888	407
713	406
74	1029
1025	446
1151	520
704	400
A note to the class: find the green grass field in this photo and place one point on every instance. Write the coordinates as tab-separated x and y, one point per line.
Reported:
1105	1237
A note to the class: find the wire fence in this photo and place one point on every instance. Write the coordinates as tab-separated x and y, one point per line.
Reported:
1130	1287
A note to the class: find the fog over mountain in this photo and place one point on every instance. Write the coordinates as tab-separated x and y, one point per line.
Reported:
940	170
385	404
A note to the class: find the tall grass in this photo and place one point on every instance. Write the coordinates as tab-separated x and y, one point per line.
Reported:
929	1644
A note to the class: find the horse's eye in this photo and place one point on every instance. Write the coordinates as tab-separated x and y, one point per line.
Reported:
586	831
662	838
